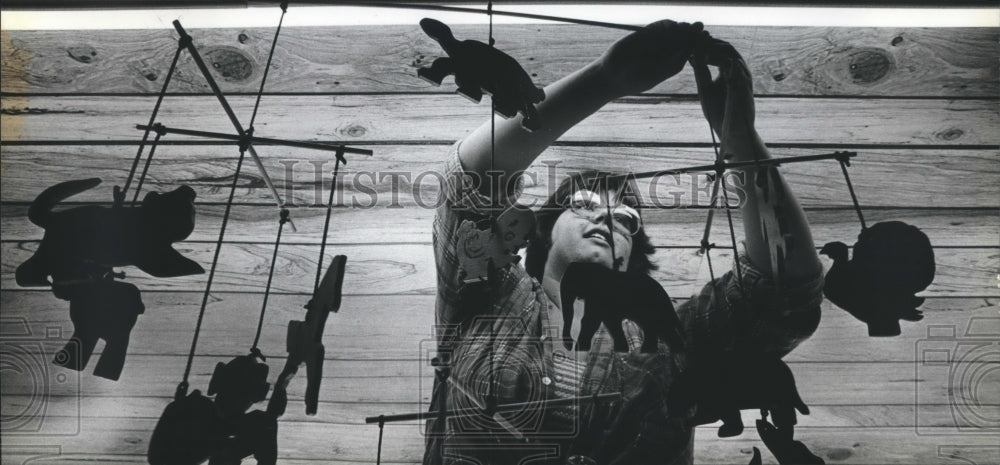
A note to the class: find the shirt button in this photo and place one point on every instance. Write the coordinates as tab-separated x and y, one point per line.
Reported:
546	380
545	337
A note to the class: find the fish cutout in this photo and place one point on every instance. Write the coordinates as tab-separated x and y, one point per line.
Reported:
304	340
611	296
480	68
892	261
721	387
100	309
78	239
495	248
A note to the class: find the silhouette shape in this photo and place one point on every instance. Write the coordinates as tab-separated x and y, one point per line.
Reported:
100	309
892	261
480	251
611	296
722	387
304	341
195	428
755	460
82	238
480	68
785	449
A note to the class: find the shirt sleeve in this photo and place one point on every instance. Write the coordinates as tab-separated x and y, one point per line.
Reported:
752	314
461	200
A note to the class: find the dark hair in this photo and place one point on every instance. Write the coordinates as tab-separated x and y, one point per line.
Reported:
537	252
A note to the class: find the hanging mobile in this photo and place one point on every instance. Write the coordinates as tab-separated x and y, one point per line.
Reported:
892	262
82	245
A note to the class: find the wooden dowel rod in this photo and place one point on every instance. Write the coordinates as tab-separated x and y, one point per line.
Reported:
254	139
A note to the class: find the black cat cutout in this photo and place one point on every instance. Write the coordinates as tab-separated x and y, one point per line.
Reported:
195	428
612	296
100	309
304	340
892	261
721	388
480	68
79	239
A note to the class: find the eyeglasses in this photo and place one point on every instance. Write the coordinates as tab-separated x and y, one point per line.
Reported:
590	206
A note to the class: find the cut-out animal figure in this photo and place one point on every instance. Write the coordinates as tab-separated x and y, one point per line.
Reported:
612	296
892	261
304	341
79	239
482	251
786	450
480	68
195	428
100	309
721	387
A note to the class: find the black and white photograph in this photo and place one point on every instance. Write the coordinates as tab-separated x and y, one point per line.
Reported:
499	233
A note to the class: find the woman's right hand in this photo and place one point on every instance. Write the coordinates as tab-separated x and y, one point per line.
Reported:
649	56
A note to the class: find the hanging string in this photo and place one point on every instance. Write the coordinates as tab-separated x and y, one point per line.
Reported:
267	67
844	163
497	191
381	429
720	173
270	276
329	212
182	388
145	136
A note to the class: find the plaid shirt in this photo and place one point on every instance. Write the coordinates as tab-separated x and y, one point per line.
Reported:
499	346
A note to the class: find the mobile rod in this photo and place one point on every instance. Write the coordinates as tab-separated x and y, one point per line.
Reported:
254	139
188	43
722	166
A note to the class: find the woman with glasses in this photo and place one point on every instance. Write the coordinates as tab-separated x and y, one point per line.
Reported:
499	340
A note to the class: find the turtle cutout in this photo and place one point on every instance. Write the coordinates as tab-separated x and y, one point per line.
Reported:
892	261
611	296
480	68
195	428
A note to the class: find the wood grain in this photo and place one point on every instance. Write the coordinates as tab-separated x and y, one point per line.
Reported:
668	228
904	177
409	269
370	328
784	60
356	119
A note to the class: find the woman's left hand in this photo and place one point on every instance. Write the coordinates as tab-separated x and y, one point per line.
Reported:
727	102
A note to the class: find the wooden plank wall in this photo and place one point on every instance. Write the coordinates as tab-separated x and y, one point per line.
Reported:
919	105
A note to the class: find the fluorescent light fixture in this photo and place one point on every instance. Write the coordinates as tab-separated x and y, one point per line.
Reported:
615	13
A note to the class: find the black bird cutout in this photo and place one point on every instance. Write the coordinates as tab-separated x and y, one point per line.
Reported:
304	341
82	238
721	388
195	428
100	309
892	261
612	296
480	68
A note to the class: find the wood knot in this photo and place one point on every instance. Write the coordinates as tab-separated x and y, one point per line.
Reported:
779	77
242	38
356	130
839	454
950	134
229	63
83	54
896	40
868	66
